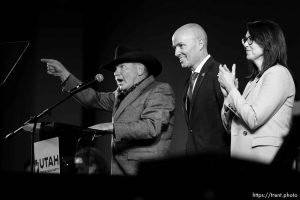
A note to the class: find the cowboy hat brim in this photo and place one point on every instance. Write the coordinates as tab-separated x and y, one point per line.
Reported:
153	66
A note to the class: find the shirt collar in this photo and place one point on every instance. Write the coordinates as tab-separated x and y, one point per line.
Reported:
123	93
199	67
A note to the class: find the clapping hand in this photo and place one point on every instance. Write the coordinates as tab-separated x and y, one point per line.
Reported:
227	79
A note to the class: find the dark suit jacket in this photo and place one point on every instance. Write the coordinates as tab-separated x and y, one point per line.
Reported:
206	133
143	122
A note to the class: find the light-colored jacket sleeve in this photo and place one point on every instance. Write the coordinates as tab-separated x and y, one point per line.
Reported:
226	116
273	91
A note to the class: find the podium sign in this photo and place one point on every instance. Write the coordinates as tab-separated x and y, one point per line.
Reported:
55	146
46	154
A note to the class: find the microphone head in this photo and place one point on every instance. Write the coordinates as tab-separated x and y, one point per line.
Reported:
99	77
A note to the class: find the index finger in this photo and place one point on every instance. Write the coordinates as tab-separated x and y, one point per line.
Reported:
233	69
47	60
226	68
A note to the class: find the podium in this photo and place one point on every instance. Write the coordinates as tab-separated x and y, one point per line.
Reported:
55	146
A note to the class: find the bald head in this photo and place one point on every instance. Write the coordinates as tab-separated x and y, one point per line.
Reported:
190	44
192	30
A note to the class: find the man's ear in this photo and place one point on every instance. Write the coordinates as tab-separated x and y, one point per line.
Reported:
201	43
141	69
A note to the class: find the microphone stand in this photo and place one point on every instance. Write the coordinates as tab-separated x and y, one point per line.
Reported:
17	59
35	118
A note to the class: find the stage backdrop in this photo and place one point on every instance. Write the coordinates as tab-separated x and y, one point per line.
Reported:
84	35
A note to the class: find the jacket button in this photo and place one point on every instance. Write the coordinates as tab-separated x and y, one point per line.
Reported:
191	131
244	132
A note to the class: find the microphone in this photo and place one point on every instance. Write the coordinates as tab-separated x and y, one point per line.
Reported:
98	78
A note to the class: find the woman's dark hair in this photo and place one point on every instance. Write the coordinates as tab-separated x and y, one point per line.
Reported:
268	35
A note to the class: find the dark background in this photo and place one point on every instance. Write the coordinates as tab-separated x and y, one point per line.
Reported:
83	35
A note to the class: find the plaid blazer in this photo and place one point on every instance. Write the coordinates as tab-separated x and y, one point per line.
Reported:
143	122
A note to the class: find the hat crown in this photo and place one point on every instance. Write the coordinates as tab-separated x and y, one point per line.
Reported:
122	50
124	53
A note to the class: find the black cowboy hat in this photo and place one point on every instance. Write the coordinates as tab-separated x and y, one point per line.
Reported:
125	54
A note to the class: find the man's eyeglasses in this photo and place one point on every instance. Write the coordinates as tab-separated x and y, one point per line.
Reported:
248	39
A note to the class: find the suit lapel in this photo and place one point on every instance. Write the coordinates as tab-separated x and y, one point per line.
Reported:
246	91
249	88
184	99
115	102
132	96
200	78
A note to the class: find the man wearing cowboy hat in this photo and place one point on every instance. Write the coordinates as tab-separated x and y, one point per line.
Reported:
142	108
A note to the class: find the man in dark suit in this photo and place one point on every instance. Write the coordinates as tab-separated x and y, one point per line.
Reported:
142	108
203	98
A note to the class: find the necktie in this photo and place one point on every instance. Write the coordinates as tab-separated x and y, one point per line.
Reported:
193	78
